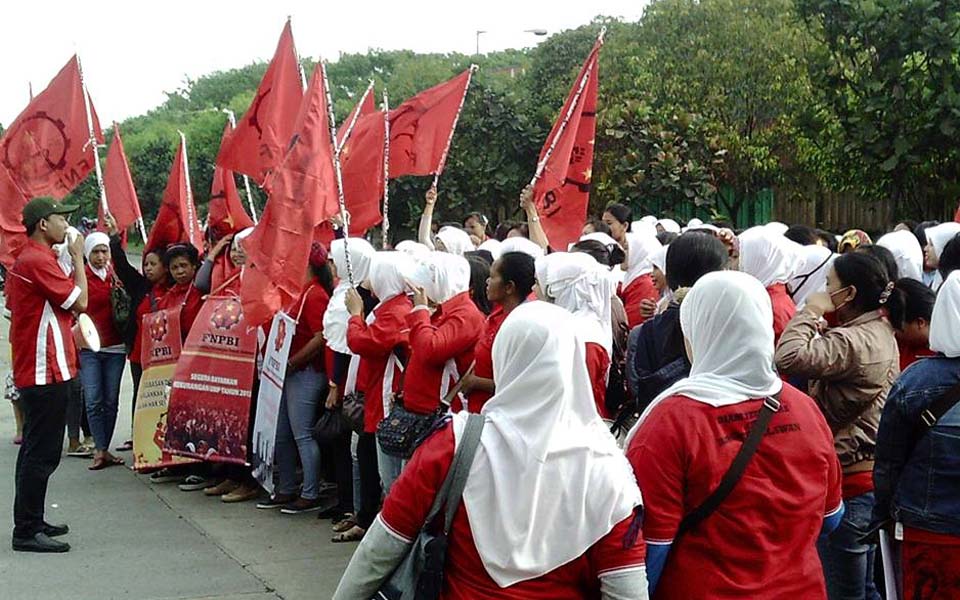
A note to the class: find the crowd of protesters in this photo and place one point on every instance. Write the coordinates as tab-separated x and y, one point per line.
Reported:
667	411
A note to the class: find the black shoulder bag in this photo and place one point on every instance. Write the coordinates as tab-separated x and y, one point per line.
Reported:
736	470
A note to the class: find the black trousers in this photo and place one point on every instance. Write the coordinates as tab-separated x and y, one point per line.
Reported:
341	461
136	371
370	490
44	420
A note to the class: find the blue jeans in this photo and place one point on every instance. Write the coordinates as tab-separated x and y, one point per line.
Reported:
100	374
390	467
848	564
297	416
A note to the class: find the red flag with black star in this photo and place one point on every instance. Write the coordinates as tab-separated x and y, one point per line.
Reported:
303	194
46	150
177	218
262	135
563	191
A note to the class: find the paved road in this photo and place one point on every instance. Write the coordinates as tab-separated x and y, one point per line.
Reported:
138	541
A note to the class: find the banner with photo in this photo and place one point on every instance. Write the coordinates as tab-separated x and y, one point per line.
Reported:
160	337
268	400
209	412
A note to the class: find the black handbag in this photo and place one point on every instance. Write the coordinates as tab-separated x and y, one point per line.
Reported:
330	427
121	305
352	410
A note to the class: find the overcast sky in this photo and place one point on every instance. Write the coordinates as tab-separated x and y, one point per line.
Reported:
134	50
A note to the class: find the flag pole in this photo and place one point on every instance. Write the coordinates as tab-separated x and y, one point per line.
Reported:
344	216
386	171
92	141
443	157
246	180
566	118
354	119
30	86
190	207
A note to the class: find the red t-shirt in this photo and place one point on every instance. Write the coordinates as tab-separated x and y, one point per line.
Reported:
641	288
188	299
310	307
911	354
598	366
39	295
783	309
100	310
761	541
465	577
483	356
451	332
374	344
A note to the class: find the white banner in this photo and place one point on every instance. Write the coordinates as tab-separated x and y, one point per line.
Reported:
268	399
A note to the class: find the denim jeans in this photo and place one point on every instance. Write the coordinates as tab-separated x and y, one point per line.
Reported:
390	467
100	374
848	564
354	439
298	414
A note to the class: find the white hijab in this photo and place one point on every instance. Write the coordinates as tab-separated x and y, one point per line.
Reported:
455	240
578	283
777	227
63	251
548	480
693	223
812	275
336	318
640	247
387	272
648	219
493	247
521	244
412	248
441	275
939	235
906	251
95	239
240	236
669	225
599	236
945	322
728	320
769	256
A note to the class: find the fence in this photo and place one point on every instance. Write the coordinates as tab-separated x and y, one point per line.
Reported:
838	212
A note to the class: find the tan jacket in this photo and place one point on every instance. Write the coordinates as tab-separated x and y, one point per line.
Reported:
851	368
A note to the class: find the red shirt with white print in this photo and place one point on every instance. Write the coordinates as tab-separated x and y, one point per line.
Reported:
39	296
465	577
761	541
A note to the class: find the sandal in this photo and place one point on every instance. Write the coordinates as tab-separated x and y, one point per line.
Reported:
354	534
345	524
103	463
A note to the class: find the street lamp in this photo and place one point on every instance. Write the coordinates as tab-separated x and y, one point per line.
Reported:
536	32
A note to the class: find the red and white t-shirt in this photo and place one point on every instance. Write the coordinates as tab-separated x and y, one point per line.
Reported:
761	541
39	295
465	577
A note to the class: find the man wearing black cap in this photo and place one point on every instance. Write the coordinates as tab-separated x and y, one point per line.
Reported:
42	300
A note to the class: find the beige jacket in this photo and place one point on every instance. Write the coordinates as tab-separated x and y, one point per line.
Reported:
851	368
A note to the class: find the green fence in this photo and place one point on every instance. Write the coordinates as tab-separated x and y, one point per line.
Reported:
756	211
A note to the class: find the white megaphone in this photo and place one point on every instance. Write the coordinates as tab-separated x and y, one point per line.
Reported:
86	333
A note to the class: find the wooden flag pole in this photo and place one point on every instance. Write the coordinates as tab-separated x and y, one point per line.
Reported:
456	119
92	141
566	118
386	171
190	207
246	180
354	119
344	216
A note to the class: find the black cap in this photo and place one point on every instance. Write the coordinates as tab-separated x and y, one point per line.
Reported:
41	208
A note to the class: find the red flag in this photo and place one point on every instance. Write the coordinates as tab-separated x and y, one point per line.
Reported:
563	190
262	135
45	149
420	127
121	195
13	235
177	218
225	214
365	106
303	194
361	165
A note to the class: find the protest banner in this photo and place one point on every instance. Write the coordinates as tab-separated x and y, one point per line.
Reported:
268	400
209	411
160	335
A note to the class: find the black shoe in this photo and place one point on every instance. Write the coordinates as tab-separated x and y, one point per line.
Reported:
41	542
55	530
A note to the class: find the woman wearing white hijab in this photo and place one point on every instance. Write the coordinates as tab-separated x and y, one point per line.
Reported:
637	283
101	372
336	317
668	226
937	238
812	275
917	476
521	244
576	282
760	541
493	247
379	342
415	249
773	260
454	240
549	502
906	251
